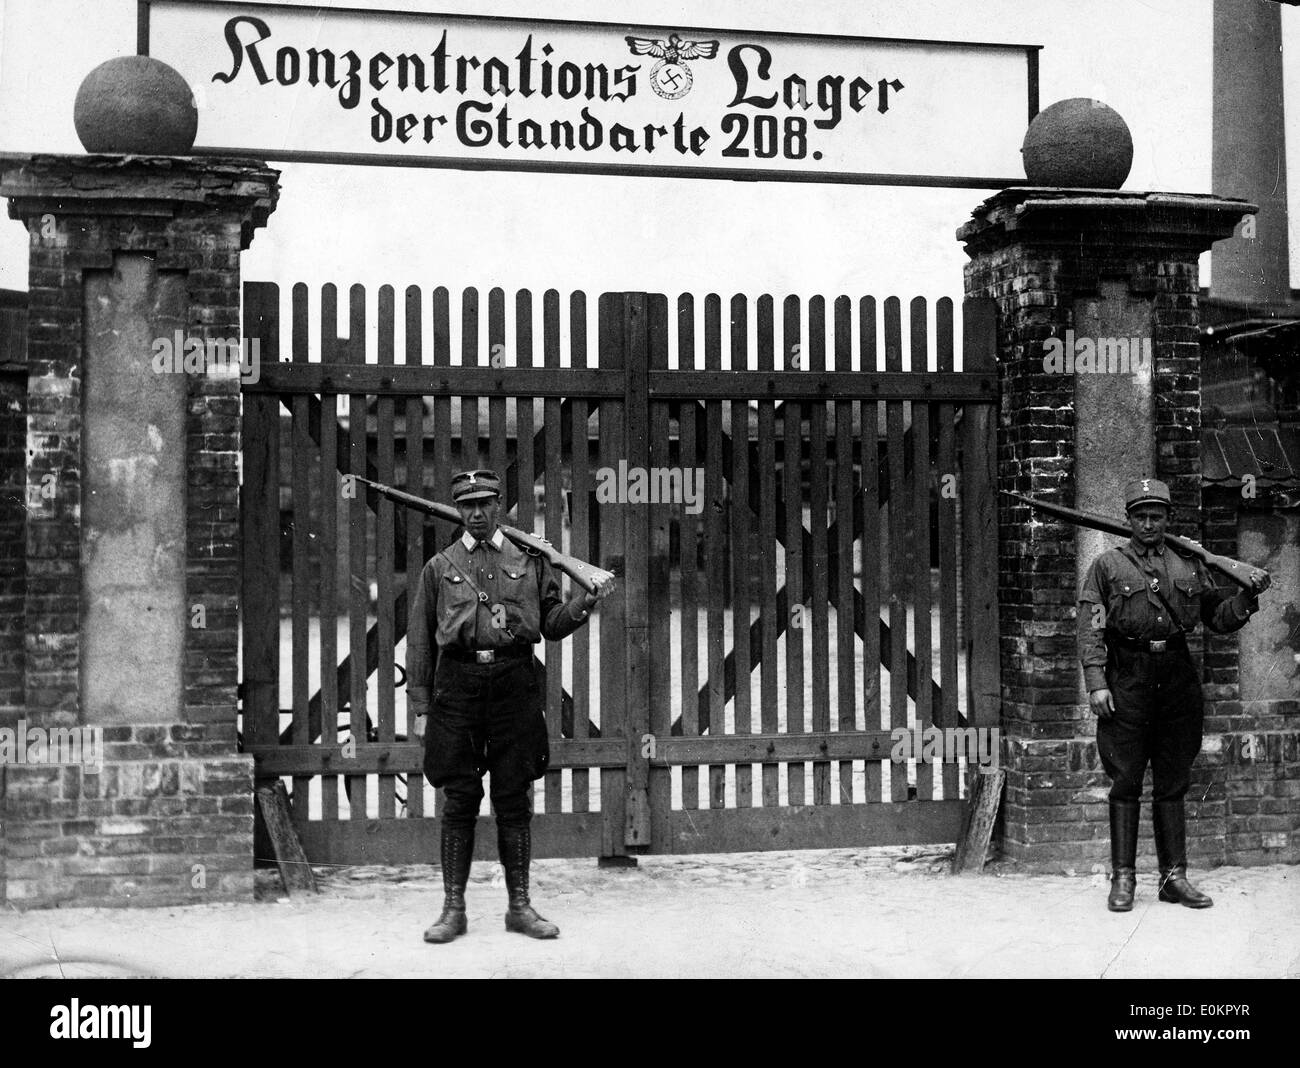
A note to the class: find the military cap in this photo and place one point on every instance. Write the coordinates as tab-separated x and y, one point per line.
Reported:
1146	491
472	485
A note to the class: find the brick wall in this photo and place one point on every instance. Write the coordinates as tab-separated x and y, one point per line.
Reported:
1035	259
173	795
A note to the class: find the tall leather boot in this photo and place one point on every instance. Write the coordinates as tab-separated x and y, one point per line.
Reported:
1123	854
457	853
1170	826
514	845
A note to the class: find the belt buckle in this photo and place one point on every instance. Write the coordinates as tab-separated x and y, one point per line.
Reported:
1159	646
485	656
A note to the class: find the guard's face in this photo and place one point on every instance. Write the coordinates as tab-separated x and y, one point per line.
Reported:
1148	522
480	516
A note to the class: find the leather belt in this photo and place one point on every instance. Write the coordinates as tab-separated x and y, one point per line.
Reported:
486	656
1158	645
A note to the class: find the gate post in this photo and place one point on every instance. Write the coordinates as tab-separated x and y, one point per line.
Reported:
1067	266
132	554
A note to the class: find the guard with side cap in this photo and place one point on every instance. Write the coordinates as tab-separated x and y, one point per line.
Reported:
476	693
1138	603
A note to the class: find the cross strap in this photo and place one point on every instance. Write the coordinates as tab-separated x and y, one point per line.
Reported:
1173	616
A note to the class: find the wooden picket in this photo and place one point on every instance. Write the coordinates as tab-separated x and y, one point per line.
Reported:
740	626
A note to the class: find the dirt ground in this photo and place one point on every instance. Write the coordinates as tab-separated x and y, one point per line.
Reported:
879	913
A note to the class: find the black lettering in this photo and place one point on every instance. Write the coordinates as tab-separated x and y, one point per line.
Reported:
625	75
829	91
286	65
882	95
570	84
496	77
475	133
741	75
350	93
597	72
562	134
858	90
379	64
463	63
590	133
406	64
530	135
795	92
404	127
238	48
440	65
314	57
381	123
621	138
525	58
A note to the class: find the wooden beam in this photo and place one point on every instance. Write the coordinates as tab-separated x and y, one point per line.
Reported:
295	871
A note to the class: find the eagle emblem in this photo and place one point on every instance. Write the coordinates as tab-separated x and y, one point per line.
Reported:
671	78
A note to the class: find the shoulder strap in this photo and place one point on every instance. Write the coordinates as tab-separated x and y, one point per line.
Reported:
1173	616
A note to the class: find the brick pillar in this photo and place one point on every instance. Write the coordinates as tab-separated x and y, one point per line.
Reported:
132	568
1065	266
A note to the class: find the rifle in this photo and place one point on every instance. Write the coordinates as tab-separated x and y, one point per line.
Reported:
1241	574
585	575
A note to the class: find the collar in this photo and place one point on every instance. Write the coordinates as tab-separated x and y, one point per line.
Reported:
1142	550
471	543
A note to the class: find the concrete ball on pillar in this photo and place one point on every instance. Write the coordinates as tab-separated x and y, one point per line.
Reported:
1078	143
136	105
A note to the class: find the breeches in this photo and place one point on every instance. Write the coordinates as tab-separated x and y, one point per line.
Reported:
1157	720
486	718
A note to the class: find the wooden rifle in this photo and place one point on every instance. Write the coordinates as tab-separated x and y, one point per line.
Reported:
585	575
1241	574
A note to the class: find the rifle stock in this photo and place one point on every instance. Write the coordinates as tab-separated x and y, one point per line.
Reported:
1239	572
585	575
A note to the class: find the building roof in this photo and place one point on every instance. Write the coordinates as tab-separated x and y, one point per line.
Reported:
1267	452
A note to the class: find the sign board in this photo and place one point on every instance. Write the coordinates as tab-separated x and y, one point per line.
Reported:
340	85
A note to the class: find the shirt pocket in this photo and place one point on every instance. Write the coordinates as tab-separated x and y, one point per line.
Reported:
456	593
1128	607
1186	599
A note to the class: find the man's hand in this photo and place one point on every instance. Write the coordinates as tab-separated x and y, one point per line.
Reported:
1259	581
1101	703
603	590
416	724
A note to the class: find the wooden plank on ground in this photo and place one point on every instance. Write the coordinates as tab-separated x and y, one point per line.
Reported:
980	813
295	871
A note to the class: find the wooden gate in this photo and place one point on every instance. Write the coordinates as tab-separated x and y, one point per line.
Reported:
806	553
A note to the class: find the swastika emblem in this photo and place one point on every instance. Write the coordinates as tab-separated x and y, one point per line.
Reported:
1146	485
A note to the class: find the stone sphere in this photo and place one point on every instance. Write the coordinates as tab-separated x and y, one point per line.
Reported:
136	105
1078	143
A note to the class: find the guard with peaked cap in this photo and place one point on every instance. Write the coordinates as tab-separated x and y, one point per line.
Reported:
1138	604
476	693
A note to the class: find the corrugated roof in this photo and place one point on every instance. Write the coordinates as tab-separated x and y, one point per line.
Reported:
1267	451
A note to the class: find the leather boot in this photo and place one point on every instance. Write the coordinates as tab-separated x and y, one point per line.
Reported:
457	852
1170	827
515	847
1123	854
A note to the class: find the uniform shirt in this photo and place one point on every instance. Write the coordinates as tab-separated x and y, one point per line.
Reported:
523	589
1119	580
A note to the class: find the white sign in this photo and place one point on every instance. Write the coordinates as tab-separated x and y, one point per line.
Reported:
349	86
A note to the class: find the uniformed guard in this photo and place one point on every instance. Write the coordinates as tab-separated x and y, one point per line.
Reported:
477	696
1137	605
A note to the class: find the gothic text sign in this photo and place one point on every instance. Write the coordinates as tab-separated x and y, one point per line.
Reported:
346	85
